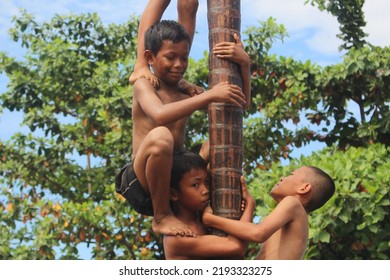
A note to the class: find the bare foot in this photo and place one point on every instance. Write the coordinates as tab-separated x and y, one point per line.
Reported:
144	72
170	225
189	89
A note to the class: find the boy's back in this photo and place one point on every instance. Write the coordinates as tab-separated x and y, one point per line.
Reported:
289	242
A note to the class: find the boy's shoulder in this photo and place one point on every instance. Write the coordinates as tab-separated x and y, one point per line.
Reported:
291	203
290	199
143	83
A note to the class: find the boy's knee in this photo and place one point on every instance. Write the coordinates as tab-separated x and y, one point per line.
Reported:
162	138
190	6
166	2
161	131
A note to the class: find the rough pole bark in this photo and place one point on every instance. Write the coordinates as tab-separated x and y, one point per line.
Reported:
225	120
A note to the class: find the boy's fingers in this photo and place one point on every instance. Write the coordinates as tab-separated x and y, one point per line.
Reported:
221	44
237	38
243	182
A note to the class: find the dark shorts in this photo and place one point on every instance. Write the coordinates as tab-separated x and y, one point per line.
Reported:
126	183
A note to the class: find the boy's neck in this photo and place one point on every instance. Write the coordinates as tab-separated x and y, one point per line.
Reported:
187	216
166	86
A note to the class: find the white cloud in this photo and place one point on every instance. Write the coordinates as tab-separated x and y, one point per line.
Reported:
324	41
298	18
313	30
377	15
7	10
319	28
109	11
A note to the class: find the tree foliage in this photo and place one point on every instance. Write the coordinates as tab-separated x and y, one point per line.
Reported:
294	102
350	15
354	224
57	193
57	180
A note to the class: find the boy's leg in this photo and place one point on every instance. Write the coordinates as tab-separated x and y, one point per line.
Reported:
152	14
186	10
152	165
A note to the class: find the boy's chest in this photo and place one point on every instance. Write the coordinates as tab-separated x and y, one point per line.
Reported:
171	97
197	228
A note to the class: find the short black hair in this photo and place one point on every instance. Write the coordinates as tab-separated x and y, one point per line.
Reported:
165	30
323	188
184	162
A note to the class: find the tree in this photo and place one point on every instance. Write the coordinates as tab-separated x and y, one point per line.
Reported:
354	223
350	15
73	90
72	86
362	79
282	91
319	100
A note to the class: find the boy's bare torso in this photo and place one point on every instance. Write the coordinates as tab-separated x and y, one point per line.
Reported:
143	124
289	242
171	252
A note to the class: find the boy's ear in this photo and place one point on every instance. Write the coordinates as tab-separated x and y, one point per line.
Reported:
173	195
304	188
149	57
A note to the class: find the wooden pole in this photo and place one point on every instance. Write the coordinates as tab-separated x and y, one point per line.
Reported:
225	120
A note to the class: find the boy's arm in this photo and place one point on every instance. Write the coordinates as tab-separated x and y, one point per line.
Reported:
283	213
235	52
247	216
248	201
152	14
205	246
163	114
250	205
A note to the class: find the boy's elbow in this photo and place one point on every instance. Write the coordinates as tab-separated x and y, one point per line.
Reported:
259	237
158	119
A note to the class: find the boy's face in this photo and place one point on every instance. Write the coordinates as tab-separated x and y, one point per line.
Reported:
290	184
171	61
194	190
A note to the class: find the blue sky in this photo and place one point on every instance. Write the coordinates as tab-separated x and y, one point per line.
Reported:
312	34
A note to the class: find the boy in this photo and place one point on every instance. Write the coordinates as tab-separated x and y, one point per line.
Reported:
159	121
153	12
284	232
189	196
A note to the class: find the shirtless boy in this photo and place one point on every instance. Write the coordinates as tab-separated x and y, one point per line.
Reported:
189	196
159	121
284	232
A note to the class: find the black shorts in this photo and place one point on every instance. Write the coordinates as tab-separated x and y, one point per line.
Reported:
127	184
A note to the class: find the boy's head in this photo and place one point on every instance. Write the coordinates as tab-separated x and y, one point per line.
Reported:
313	185
189	181
165	30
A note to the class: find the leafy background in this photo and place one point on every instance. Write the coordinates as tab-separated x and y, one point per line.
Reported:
57	192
